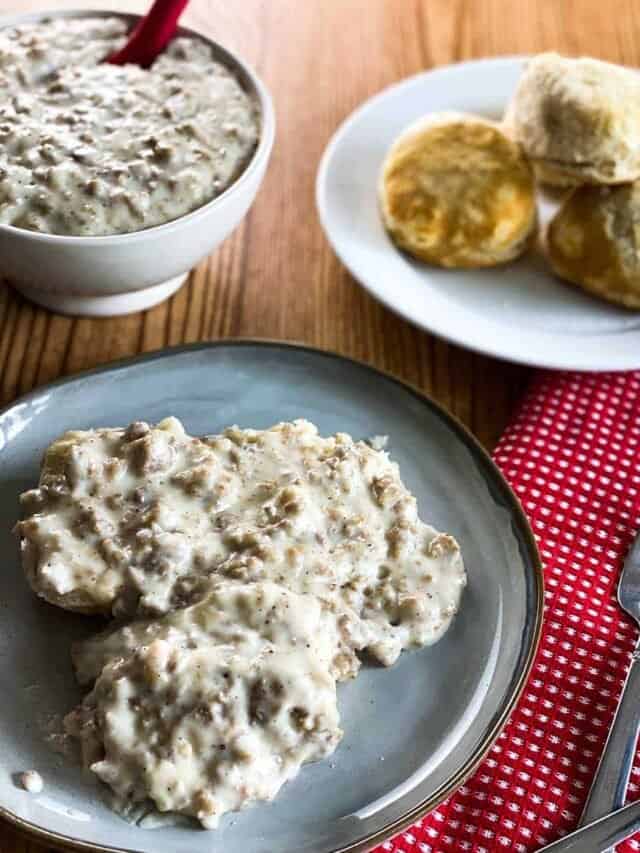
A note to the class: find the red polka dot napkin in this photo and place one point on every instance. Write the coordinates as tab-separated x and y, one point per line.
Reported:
572	455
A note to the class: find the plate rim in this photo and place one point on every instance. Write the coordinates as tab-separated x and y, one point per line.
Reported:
491	346
520	523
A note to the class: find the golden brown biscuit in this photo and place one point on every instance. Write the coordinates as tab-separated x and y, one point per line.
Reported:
578	120
594	241
455	191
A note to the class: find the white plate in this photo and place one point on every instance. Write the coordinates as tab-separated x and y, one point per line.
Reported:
521	311
413	732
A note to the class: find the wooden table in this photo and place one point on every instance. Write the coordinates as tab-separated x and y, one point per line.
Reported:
276	276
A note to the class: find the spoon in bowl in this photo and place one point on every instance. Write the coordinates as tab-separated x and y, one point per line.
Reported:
151	35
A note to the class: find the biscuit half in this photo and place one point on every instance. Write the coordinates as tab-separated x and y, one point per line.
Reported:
578	120
594	242
456	191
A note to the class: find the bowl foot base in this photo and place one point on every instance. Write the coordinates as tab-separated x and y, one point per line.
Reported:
103	306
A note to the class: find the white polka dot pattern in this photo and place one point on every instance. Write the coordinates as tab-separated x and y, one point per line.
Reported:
572	456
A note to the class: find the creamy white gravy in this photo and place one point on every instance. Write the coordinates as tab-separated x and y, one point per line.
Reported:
137	520
212	706
205	731
245	617
256	565
88	148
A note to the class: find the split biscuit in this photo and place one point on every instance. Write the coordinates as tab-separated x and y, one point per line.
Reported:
457	192
594	241
578	120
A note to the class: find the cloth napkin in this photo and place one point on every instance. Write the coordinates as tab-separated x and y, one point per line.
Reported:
572	455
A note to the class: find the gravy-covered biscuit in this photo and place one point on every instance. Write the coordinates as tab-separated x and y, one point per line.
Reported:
594	239
205	731
457	192
139	521
578	120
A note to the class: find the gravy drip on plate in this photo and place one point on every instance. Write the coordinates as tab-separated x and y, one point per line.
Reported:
90	149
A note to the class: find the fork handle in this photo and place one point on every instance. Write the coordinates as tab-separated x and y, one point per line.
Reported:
595	837
609	787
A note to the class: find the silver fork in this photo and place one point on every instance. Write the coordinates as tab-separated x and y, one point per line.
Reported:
595	837
609	787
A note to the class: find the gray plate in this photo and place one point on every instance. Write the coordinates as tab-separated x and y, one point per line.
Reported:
412	732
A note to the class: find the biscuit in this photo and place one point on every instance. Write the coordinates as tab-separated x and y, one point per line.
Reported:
457	192
594	240
578	120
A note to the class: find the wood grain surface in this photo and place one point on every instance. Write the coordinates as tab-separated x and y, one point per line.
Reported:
276	276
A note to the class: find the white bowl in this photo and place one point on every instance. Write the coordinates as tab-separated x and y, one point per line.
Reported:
121	273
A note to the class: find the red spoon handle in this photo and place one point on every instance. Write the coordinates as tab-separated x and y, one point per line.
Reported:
152	34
